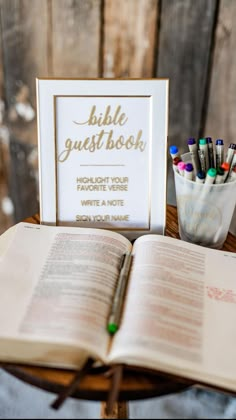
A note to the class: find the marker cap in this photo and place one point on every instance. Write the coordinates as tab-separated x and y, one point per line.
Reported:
202	141
220	171
191	141
219	142
173	149
181	166
225	166
232	146
212	172
112	328
208	140
176	160
201	174
189	167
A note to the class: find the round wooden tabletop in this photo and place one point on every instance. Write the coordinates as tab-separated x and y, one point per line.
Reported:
95	385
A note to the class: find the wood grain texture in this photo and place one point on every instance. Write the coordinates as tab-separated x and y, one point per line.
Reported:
120	411
24	38
1	64
221	116
183	56
95	386
24	43
185	40
76	38
6	209
23	186
129	38
6	219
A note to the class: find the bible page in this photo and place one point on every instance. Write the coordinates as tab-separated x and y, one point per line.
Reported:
57	285
5	240
180	311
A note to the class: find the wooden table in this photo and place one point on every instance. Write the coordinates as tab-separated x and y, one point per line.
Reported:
95	386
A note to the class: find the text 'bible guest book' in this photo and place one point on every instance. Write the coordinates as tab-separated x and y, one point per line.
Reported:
57	289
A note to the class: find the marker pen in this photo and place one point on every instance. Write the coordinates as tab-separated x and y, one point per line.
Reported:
219	176
174	151
188	172
211	174
175	162
232	175
192	145
201	155
204	147
233	163
210	152
230	153
225	166
219	152
181	167
200	177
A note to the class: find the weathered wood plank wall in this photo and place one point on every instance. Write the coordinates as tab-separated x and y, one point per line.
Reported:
191	43
24	54
184	52
76	38
130	35
6	211
221	111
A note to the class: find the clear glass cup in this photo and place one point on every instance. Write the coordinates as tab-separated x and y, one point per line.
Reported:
204	211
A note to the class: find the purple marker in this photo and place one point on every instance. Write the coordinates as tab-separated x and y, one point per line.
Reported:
192	145
188	172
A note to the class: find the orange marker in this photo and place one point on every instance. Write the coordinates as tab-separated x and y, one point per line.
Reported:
225	166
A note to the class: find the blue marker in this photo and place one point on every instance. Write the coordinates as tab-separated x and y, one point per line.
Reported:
174	151
219	152
200	178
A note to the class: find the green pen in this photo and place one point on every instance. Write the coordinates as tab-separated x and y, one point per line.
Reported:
117	305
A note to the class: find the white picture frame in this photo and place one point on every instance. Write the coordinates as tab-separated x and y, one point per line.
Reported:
102	153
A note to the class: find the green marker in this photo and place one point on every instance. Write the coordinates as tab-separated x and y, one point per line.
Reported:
117	305
211	175
203	147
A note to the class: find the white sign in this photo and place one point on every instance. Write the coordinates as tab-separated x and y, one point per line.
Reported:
102	153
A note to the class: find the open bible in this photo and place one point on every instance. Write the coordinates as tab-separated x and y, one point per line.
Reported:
57	286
